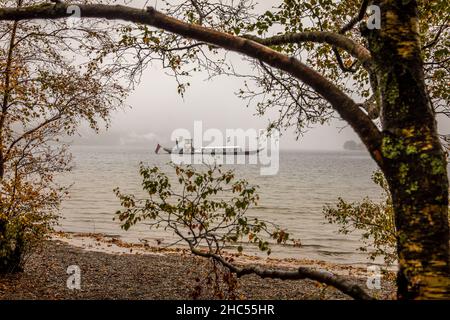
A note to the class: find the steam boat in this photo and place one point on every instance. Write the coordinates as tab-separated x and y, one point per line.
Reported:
188	148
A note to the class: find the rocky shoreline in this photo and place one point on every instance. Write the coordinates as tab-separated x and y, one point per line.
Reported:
112	269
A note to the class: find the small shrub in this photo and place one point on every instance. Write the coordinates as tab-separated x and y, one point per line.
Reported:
27	215
374	219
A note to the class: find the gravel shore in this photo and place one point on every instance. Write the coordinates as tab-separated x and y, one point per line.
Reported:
145	273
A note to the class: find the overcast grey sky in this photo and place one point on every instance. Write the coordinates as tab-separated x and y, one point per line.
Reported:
157	110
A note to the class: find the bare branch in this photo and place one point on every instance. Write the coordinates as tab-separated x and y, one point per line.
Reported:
339	282
31	131
343	104
357	18
200	13
435	40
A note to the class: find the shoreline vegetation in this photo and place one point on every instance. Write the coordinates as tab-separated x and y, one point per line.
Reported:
113	269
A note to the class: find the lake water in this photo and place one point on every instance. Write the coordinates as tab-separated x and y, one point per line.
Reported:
293	198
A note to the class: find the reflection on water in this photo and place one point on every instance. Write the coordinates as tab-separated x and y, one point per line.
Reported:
293	198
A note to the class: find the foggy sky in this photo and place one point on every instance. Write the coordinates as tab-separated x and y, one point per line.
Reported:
156	110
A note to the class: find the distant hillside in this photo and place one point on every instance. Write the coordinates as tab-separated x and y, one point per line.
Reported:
352	145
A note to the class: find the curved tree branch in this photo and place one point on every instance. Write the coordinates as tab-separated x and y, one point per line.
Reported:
31	131
435	40
334	39
362	11
343	104
342	284
347	27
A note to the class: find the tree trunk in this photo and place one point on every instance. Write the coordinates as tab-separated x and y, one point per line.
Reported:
10	260
6	93
414	162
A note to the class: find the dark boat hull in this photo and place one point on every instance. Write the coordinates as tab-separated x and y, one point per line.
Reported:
236	153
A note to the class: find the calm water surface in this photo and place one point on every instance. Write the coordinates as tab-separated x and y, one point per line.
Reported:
293	198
